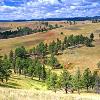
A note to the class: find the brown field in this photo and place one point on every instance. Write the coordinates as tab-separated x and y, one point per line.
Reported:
81	57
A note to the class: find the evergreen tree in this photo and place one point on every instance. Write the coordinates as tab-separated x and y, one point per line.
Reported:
58	44
38	69
41	49
11	55
77	81
43	76
52	47
93	79
32	68
87	78
65	80
53	61
20	52
53	82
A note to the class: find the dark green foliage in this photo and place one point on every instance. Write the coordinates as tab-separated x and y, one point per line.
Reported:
88	42
93	79
65	80
53	61
19	32
38	69
11	56
51	47
20	52
41	49
52	81
58	44
5	69
44	74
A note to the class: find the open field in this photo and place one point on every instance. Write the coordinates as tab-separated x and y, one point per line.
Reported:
19	94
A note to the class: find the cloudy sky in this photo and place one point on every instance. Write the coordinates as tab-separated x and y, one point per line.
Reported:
29	9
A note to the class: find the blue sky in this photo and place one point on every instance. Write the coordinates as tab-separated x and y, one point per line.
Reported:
30	9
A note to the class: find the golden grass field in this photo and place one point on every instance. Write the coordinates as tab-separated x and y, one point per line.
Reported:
19	94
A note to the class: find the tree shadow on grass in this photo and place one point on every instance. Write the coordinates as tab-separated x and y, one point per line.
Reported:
37	80
10	85
17	78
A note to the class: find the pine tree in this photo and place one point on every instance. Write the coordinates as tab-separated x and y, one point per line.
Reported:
11	55
43	76
65	80
53	82
77	81
53	61
87	78
20	52
93	79
38	69
6	68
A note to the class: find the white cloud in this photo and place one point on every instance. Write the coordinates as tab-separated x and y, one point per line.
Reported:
49	8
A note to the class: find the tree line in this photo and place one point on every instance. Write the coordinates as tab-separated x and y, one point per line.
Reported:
21	31
54	47
79	81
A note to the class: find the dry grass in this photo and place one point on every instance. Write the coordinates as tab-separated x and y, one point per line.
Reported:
19	94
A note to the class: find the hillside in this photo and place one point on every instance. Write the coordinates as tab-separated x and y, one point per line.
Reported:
81	57
37	64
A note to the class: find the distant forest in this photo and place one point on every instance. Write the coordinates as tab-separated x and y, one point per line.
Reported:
57	19
21	31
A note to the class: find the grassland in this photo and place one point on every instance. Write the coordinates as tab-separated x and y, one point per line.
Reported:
27	89
81	57
19	94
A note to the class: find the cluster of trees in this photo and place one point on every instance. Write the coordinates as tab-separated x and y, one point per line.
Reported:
22	64
86	80
95	20
55	46
5	68
72	22
19	32
26	31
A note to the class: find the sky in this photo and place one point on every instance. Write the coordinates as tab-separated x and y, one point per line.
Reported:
35	9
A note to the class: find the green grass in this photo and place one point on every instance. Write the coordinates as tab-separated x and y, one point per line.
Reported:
20	82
